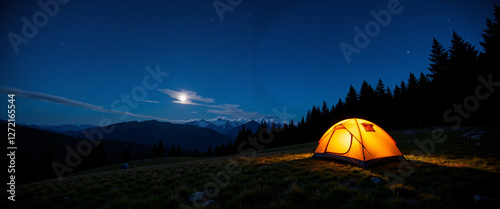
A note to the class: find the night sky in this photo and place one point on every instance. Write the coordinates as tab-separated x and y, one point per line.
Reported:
179	60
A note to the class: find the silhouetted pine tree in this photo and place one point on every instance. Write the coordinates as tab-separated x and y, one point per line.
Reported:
280	135
439	61
491	41
154	152
242	136
423	102
178	151
230	149
160	152
324	109
366	101
411	106
308	116
489	111
398	108
339	111
332	114
351	103
217	151
403	88
325	116
172	152
316	127
380	88
382	103
439	65
388	92
462	67
209	151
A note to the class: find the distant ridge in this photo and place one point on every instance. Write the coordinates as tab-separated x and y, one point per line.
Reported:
59	128
230	127
252	125
35	141
150	132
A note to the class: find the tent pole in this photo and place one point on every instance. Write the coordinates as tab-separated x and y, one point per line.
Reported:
361	139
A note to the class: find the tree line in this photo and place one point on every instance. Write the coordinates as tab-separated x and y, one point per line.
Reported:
458	89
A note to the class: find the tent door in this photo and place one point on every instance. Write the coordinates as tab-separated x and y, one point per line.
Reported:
340	142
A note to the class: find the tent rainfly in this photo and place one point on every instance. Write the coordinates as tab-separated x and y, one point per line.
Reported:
357	141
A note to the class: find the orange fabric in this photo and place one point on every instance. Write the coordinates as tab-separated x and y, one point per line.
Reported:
350	138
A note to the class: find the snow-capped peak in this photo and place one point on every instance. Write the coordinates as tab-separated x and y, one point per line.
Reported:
223	124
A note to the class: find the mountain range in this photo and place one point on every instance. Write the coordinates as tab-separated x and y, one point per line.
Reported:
33	141
220	124
190	135
59	128
232	126
150	132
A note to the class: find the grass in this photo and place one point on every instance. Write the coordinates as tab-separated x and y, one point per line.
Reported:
139	163
287	177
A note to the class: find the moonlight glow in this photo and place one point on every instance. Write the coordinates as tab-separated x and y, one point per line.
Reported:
182	97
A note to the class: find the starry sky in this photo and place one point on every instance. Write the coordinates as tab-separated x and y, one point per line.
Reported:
85	61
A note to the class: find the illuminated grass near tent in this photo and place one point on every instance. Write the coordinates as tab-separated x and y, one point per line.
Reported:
286	177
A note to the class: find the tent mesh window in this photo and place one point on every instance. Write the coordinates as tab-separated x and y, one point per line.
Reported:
368	127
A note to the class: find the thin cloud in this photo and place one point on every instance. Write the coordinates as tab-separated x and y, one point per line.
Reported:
233	110
150	101
190	96
69	102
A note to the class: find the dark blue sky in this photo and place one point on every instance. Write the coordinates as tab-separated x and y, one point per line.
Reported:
264	55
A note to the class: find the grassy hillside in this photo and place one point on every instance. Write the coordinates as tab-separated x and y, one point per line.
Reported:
459	168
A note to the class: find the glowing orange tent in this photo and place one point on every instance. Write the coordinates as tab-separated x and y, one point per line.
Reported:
357	141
